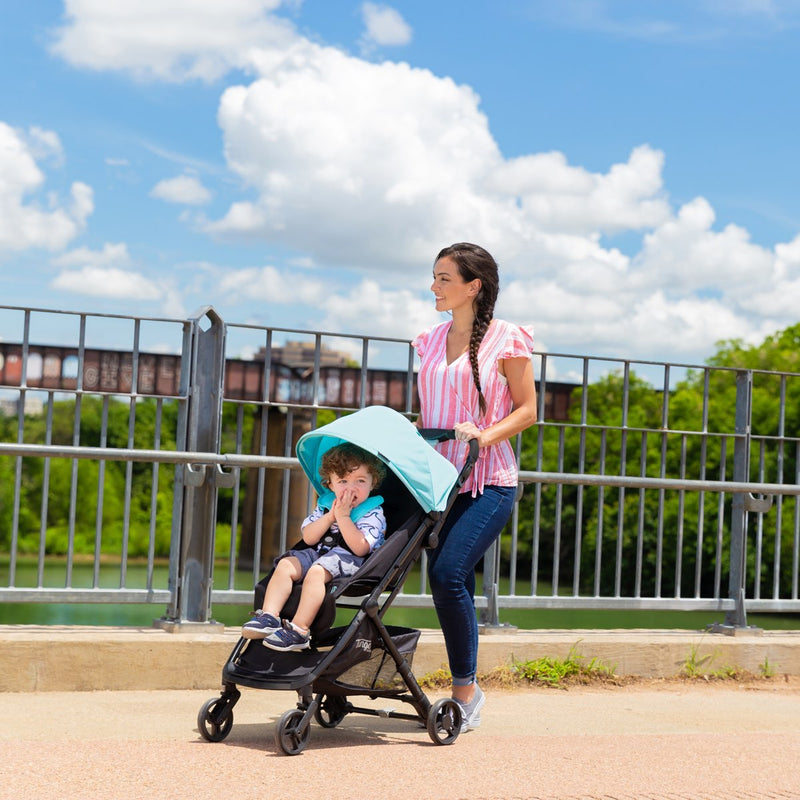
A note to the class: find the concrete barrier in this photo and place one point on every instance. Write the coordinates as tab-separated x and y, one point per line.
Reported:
35	658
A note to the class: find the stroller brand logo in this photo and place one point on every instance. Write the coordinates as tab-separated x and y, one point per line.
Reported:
363	644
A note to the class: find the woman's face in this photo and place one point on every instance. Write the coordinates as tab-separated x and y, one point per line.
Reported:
449	288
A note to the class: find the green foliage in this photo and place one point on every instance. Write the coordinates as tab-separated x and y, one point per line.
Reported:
545	671
556	672
630	428
87	505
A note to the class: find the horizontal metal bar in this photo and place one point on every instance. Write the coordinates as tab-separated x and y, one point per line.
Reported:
282	462
239	597
773	605
632	481
46	594
160	456
613	603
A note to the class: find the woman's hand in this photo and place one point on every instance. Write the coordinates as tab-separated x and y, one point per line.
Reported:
466	431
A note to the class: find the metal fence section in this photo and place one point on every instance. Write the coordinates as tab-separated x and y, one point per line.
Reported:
171	442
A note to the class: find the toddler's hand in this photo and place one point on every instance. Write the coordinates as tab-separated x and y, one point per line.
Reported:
342	506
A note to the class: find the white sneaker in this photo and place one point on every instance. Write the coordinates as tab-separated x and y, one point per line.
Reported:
471	712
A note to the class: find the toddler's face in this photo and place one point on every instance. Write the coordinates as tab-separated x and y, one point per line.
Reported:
353	488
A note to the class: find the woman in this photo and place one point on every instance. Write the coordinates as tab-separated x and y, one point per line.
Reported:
476	377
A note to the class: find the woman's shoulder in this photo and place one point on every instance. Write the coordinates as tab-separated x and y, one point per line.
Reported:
502	330
432	334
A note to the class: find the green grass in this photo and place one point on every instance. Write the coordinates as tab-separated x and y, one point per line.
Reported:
546	671
579	670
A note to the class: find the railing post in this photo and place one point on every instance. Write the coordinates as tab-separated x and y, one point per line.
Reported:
195	504
736	620
489	617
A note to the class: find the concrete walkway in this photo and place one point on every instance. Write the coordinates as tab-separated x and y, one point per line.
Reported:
663	741
111	713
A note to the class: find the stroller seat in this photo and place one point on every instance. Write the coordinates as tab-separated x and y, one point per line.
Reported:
403	515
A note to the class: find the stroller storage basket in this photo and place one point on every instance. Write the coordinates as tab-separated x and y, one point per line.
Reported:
366	665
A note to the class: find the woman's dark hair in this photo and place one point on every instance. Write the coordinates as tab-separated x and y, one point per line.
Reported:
475	262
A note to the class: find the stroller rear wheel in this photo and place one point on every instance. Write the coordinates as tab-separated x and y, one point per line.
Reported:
332	709
444	721
289	736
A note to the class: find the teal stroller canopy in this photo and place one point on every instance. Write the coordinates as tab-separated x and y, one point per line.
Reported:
387	434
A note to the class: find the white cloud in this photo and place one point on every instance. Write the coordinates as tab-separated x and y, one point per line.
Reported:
44	145
172	40
110	282
687	255
107	273
114	255
385	26
335	180
384	312
268	284
359	164
184	189
557	196
25	222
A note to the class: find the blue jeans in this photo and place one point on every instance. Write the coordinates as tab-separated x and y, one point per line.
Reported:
471	527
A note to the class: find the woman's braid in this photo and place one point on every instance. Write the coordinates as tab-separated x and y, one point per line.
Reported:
475	262
479	328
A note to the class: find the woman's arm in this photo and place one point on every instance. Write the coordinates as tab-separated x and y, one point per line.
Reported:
521	385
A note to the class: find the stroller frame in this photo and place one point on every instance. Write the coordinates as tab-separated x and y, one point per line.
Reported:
313	673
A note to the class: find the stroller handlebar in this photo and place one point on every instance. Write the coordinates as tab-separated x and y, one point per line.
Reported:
442	435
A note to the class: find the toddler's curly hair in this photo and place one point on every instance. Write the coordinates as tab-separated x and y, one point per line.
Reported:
343	458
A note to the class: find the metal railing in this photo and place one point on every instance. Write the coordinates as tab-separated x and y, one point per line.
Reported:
664	486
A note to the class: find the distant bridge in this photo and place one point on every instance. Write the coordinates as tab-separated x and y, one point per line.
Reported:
55	367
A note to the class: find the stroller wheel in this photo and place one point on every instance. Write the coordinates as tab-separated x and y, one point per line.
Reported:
444	721
289	736
215	719
331	711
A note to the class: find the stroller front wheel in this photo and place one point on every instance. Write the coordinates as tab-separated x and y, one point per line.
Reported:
215	719
289	736
444	721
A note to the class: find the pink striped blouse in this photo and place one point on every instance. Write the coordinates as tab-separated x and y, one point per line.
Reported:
448	395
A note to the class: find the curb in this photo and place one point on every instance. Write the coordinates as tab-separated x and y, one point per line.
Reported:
38	658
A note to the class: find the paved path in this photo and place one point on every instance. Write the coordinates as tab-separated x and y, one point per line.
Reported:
660	741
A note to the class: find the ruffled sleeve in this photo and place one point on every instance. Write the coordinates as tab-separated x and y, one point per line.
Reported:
518	342
420	343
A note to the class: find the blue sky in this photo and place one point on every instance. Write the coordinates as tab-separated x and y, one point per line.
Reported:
632	165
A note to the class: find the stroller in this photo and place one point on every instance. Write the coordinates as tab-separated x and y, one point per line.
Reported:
365	658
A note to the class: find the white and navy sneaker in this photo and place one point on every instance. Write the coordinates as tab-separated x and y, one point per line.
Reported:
262	624
288	638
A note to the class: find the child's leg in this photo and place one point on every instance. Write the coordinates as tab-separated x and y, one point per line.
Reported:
311	596
278	589
287	571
